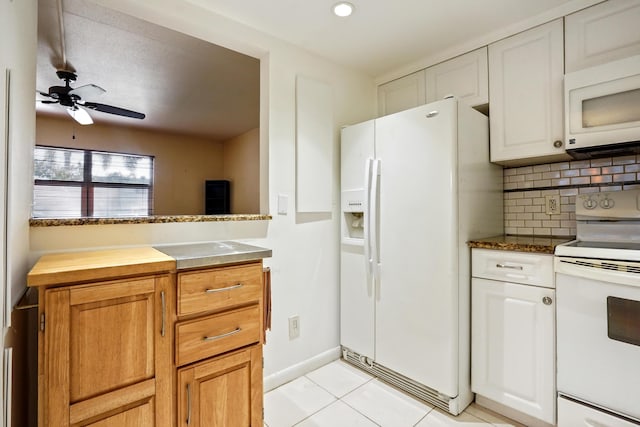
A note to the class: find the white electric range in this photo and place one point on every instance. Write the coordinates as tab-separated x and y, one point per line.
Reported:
598	313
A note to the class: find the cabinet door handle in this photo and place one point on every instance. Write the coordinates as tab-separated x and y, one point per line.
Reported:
217	337
228	288
164	313
547	300
188	404
513	267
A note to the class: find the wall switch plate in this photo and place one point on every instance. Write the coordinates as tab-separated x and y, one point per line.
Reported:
283	201
552	204
294	327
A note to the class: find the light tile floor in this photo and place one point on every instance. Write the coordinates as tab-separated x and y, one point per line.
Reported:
340	395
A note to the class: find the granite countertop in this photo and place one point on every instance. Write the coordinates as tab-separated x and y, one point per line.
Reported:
156	219
537	244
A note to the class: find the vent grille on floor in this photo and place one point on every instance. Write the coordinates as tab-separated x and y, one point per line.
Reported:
414	388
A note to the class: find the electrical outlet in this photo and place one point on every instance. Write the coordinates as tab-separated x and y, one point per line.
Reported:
552	204
294	327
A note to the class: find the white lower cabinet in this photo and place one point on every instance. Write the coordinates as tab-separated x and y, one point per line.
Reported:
513	339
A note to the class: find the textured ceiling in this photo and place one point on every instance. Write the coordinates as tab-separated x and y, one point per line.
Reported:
181	83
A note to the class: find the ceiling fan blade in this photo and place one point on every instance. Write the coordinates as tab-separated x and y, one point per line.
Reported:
87	91
113	110
44	101
80	115
43	93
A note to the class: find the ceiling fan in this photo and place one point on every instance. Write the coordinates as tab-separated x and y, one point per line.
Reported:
73	99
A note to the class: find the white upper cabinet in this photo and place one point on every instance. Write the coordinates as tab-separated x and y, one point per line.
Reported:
602	33
401	94
465	77
525	77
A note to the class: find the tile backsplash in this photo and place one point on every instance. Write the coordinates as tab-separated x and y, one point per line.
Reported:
526	188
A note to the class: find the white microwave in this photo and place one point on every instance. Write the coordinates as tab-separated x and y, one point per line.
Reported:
602	109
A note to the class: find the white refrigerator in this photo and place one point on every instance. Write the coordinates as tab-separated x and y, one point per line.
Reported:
416	186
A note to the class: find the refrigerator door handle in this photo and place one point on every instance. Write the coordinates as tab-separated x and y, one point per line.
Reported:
374	209
367	216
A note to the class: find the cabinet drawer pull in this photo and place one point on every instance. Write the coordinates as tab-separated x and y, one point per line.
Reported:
513	267
188	404
228	288
164	313
217	337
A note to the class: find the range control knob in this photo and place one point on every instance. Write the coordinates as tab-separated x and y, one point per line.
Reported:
607	203
590	203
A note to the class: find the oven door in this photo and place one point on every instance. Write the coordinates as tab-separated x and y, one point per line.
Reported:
598	333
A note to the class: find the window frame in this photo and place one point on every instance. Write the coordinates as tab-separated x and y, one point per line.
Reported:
87	185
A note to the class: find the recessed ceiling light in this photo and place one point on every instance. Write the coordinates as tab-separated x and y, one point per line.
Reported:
343	9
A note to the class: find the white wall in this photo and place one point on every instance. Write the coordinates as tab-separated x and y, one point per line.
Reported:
17	55
305	267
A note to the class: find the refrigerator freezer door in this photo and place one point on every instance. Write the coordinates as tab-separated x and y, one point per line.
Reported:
417	296
356	283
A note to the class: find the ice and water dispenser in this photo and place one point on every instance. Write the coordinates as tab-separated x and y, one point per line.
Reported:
353	205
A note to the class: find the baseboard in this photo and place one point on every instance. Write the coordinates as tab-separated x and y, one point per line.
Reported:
515	415
292	372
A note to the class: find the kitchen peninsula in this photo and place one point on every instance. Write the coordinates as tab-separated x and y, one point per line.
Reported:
140	336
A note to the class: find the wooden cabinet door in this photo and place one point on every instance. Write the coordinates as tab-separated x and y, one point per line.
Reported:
513	346
466	77
526	96
605	32
100	347
401	94
222	391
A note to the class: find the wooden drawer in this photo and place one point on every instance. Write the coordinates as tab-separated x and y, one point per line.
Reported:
212	335
215	289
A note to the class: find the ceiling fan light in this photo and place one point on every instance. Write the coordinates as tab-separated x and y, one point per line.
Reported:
343	9
80	115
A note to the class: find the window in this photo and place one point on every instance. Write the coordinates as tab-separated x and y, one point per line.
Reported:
71	183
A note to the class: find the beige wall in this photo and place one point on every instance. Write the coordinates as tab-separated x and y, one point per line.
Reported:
242	169
182	163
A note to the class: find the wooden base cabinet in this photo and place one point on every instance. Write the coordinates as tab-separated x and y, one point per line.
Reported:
126	340
218	346
106	354
222	391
